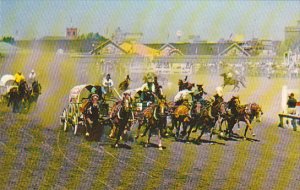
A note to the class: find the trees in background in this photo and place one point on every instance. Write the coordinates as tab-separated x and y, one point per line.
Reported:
91	36
8	39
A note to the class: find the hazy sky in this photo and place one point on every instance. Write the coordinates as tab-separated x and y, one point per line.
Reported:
157	20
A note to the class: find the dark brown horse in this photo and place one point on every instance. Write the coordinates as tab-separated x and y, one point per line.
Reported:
14	99
36	90
25	94
201	118
121	116
245	113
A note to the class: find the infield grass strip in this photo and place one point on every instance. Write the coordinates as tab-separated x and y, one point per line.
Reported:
269	143
83	161
34	149
32	157
242	154
212	164
135	163
292	158
109	162
55	162
10	151
60	146
217	153
186	165
161	163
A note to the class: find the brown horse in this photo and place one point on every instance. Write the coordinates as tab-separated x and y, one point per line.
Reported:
25	94
201	118
121	117
160	111
155	115
245	113
181	115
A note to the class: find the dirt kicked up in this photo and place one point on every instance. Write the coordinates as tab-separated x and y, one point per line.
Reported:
36	153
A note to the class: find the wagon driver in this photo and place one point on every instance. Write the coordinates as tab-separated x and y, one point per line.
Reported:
107	83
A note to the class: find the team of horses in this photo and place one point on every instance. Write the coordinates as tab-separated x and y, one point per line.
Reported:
21	96
208	116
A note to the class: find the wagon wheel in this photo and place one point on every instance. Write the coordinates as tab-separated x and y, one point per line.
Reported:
64	119
75	123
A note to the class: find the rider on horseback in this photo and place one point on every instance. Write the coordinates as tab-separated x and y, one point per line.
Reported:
147	96
198	94
32	77
19	77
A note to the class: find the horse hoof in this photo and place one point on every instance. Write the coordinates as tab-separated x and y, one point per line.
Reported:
136	137
253	135
160	148
87	134
116	145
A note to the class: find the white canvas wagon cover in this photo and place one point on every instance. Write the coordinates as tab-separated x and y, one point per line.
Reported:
81	91
5	79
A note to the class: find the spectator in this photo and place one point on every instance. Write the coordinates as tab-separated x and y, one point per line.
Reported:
292	104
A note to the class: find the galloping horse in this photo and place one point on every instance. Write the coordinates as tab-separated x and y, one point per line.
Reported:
121	115
233	81
24	93
14	99
245	113
219	112
201	117
36	90
155	116
181	115
248	113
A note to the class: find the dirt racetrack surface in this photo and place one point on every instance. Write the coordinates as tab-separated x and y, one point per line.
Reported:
35	153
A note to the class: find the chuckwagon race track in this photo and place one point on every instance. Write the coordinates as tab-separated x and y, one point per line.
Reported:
35	153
